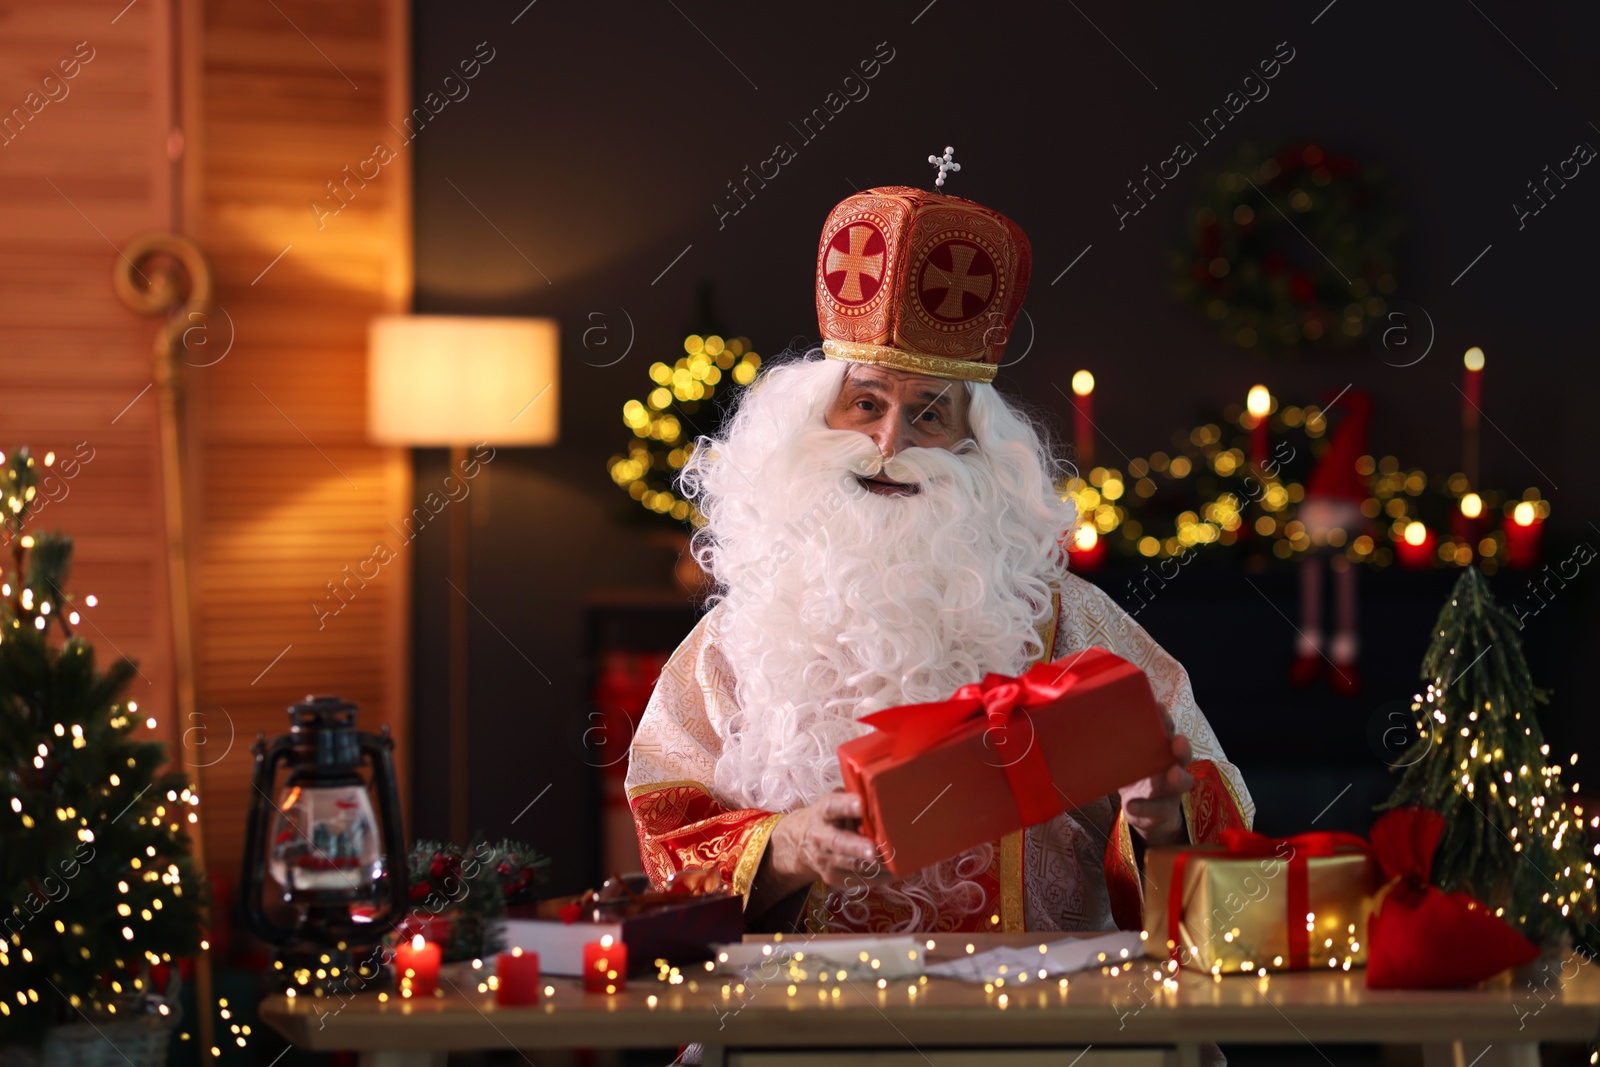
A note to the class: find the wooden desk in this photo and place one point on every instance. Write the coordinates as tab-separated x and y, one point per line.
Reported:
1127	1021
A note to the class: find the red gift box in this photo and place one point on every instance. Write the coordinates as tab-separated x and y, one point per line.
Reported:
936	779
678	927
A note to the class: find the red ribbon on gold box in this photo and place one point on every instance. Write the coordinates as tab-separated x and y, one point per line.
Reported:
1254	901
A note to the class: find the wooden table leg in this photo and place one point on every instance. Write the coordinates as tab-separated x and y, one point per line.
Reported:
394	1057
1473	1054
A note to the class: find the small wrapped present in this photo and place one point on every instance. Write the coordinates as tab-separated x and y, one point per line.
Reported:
679	926
1253	901
1005	753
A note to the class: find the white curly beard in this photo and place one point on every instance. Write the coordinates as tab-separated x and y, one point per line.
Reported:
837	602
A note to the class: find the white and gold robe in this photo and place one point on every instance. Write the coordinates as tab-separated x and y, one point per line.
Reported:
1075	872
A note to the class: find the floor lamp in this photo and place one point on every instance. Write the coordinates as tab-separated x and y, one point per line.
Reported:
457	381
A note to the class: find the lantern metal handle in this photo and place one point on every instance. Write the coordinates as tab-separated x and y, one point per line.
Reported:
267	758
380	749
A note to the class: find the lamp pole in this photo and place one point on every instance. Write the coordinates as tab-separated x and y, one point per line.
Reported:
460	821
461	381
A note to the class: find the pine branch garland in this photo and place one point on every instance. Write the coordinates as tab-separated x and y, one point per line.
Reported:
468	888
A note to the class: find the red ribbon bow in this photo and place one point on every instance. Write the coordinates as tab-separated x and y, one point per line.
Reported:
1296	851
1405	841
1004	702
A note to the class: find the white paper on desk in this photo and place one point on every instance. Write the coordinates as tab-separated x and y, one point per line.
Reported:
801	960
1060	957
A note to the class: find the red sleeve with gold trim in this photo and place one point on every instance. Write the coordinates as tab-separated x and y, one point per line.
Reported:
1209	809
1122	878
1211	806
681	826
679	818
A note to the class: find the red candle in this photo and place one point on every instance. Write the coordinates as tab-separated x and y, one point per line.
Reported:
1083	420
517	978
417	965
1464	520
1471	401
1259	405
1087	549
605	965
1523	532
1416	548
1471	387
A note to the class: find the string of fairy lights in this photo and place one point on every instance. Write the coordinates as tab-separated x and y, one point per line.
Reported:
1548	811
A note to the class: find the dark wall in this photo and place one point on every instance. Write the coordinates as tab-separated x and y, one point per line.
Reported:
580	179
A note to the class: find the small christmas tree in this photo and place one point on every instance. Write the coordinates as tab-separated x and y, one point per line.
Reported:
1511	837
662	443
99	892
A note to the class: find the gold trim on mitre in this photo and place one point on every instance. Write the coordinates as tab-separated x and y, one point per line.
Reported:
965	370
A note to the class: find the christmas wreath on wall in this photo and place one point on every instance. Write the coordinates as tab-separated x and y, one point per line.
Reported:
1292	250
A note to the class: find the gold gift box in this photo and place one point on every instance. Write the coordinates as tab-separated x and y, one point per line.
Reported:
1236	913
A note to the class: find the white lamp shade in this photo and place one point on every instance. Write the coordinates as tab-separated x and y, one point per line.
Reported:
462	379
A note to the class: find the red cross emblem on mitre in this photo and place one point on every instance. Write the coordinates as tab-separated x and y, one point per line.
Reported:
920	281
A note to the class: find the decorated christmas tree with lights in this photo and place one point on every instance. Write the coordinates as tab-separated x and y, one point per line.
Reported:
99	891
1513	836
669	418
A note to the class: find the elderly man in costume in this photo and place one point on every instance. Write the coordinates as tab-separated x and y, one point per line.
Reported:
885	527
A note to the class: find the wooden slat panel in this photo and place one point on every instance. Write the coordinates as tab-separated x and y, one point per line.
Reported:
287	492
266	121
77	179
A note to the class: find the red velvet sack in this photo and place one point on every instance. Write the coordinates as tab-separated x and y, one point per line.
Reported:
1420	937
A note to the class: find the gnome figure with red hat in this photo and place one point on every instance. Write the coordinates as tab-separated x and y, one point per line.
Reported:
1334	495
883	526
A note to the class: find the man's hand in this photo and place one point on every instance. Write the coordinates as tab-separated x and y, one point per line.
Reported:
819	842
1153	806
